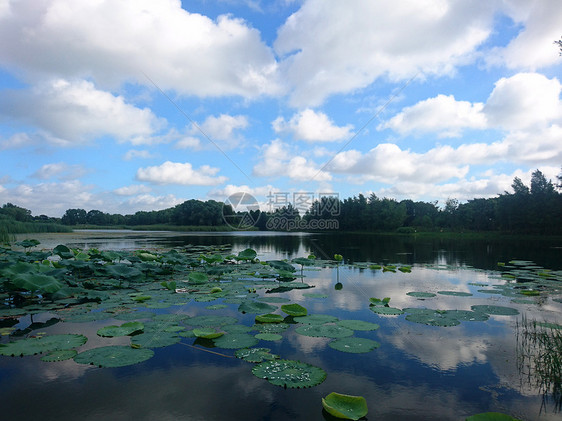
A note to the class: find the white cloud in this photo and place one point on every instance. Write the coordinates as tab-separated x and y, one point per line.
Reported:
180	173
533	47
150	202
18	140
336	47
312	126
73	112
442	114
115	42
59	170
523	101
188	142
132	190
135	153
277	162
223	126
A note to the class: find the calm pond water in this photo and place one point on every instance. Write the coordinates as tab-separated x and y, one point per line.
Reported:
419	372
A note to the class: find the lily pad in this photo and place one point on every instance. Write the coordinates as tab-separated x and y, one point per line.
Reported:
289	373
250	306
455	293
269	318
197	278
421	294
60	355
32	346
345	406
354	345
114	356
491	416
210	321
358	325
269	336
316	319
155	339
123	330
247	254
236	341
207	333
255	355
386	311
434	318
495	310
325	331
294	310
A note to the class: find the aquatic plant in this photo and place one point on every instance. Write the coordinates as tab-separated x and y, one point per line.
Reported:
346	407
289	373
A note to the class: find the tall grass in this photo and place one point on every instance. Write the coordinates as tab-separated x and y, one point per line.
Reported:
540	358
9	227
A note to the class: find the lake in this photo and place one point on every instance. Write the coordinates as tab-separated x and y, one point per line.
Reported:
428	365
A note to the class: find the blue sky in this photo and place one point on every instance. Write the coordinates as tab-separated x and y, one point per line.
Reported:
135	105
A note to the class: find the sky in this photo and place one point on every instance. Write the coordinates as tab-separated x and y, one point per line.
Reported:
130	105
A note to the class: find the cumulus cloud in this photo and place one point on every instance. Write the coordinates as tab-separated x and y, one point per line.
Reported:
442	114
132	190
59	170
180	173
115	42
276	161
355	42
223	126
135	153
312	126
73	112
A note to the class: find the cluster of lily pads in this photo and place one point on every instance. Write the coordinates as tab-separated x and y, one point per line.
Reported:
128	288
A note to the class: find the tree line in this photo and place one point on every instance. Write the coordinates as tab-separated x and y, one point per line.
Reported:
534	209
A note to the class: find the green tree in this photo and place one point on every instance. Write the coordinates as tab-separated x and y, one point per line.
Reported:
16	212
74	217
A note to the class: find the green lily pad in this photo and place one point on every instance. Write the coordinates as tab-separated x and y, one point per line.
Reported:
358	325
197	278
270	327
281	265
155	339
236	341
250	306
211	321
269	318
124	330
324	331
495	310
345	406
386	311
294	310
247	254
354	345
255	355
60	355
269	336
491	416
114	356
36	282
455	293
32	346
421	294
316	319
289	374
207	333
434	318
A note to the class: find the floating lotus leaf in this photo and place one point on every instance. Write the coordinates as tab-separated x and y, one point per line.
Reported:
251	306
269	336
237	328
123	330
236	341
289	374
387	311
491	416
281	265
455	293
316	319
345	406
121	270
325	331
315	295
155	339
247	254
468	316
197	278
274	299
61	355
405	269
114	356
211	321
358	325
354	345
269	318
303	261
207	333
32	346
294	310
255	355
434	318
270	327
421	294
495	310
36	282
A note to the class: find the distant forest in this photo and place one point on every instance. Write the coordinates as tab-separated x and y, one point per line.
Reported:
534	209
